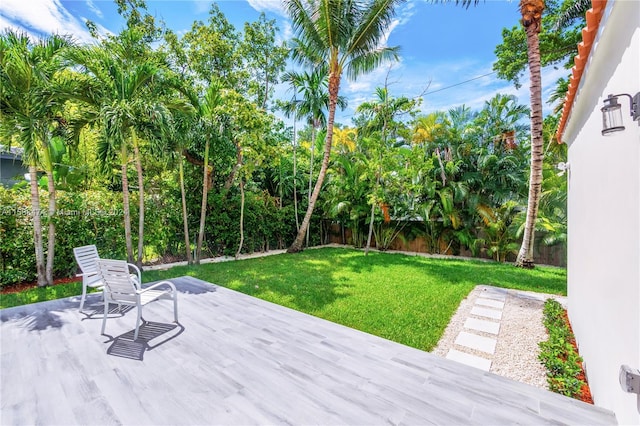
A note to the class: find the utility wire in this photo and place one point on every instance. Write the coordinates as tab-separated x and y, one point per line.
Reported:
458	84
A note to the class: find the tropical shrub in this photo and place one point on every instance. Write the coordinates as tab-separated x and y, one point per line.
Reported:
559	355
17	258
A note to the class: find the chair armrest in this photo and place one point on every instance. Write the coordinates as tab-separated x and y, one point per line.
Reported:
138	274
91	279
156	285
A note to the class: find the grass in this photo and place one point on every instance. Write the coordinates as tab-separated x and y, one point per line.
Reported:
40	294
408	299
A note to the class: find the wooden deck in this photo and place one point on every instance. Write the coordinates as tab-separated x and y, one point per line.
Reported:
238	360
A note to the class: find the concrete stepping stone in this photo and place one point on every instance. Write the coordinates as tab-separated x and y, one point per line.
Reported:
486	312
474	341
468	359
490	303
482	325
493	294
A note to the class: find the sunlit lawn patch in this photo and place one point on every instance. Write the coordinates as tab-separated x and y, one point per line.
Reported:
407	299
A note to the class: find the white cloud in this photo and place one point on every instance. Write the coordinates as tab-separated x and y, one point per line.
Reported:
275	6
91	5
286	33
43	17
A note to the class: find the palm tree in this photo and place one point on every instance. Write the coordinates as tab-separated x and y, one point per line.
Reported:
119	91
344	36
30	104
207	124
289	108
531	11
180	126
313	87
500	121
381	119
429	130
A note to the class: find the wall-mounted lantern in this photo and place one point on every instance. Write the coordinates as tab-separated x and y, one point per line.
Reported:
612	112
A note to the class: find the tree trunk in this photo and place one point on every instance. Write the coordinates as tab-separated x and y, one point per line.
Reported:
366	250
136	153
185	221
51	237
203	210
295	182
281	185
443	176
234	170
266	87
313	145
241	218
334	86
525	255
37	226
125	204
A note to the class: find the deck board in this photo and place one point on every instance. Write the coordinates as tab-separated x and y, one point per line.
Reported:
238	360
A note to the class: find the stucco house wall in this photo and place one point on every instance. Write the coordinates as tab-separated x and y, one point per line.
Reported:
11	168
604	213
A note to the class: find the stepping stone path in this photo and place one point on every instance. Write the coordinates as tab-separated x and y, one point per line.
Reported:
476	343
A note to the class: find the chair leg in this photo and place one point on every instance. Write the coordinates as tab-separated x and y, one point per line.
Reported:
104	318
84	295
135	336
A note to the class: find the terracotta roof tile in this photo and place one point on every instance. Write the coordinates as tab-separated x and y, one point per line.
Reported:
594	15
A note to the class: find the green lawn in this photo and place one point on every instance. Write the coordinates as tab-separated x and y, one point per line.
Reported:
41	294
408	299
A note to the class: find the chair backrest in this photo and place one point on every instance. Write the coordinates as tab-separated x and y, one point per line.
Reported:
117	280
86	257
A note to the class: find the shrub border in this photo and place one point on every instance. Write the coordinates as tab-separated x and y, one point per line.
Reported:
559	354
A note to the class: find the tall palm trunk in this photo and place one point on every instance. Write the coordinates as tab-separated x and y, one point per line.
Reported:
185	222
136	153
295	183
378	173
368	246
334	86
37	226
203	209
443	175
241	218
313	145
51	236
51	211
125	203
531	14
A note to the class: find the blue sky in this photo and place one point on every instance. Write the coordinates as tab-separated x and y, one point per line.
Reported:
441	44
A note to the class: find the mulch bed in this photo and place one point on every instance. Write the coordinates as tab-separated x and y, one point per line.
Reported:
20	287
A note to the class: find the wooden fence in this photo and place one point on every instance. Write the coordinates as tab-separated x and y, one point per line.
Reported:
555	255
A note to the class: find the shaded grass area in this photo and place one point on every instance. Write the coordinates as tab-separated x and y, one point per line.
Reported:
40	294
407	299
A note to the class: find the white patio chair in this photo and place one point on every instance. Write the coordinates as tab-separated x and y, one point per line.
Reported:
121	288
86	258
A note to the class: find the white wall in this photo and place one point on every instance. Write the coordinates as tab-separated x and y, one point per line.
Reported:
604	213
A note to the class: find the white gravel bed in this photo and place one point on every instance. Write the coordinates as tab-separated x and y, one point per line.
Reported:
521	329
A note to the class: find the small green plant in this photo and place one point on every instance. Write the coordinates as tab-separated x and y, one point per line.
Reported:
559	355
